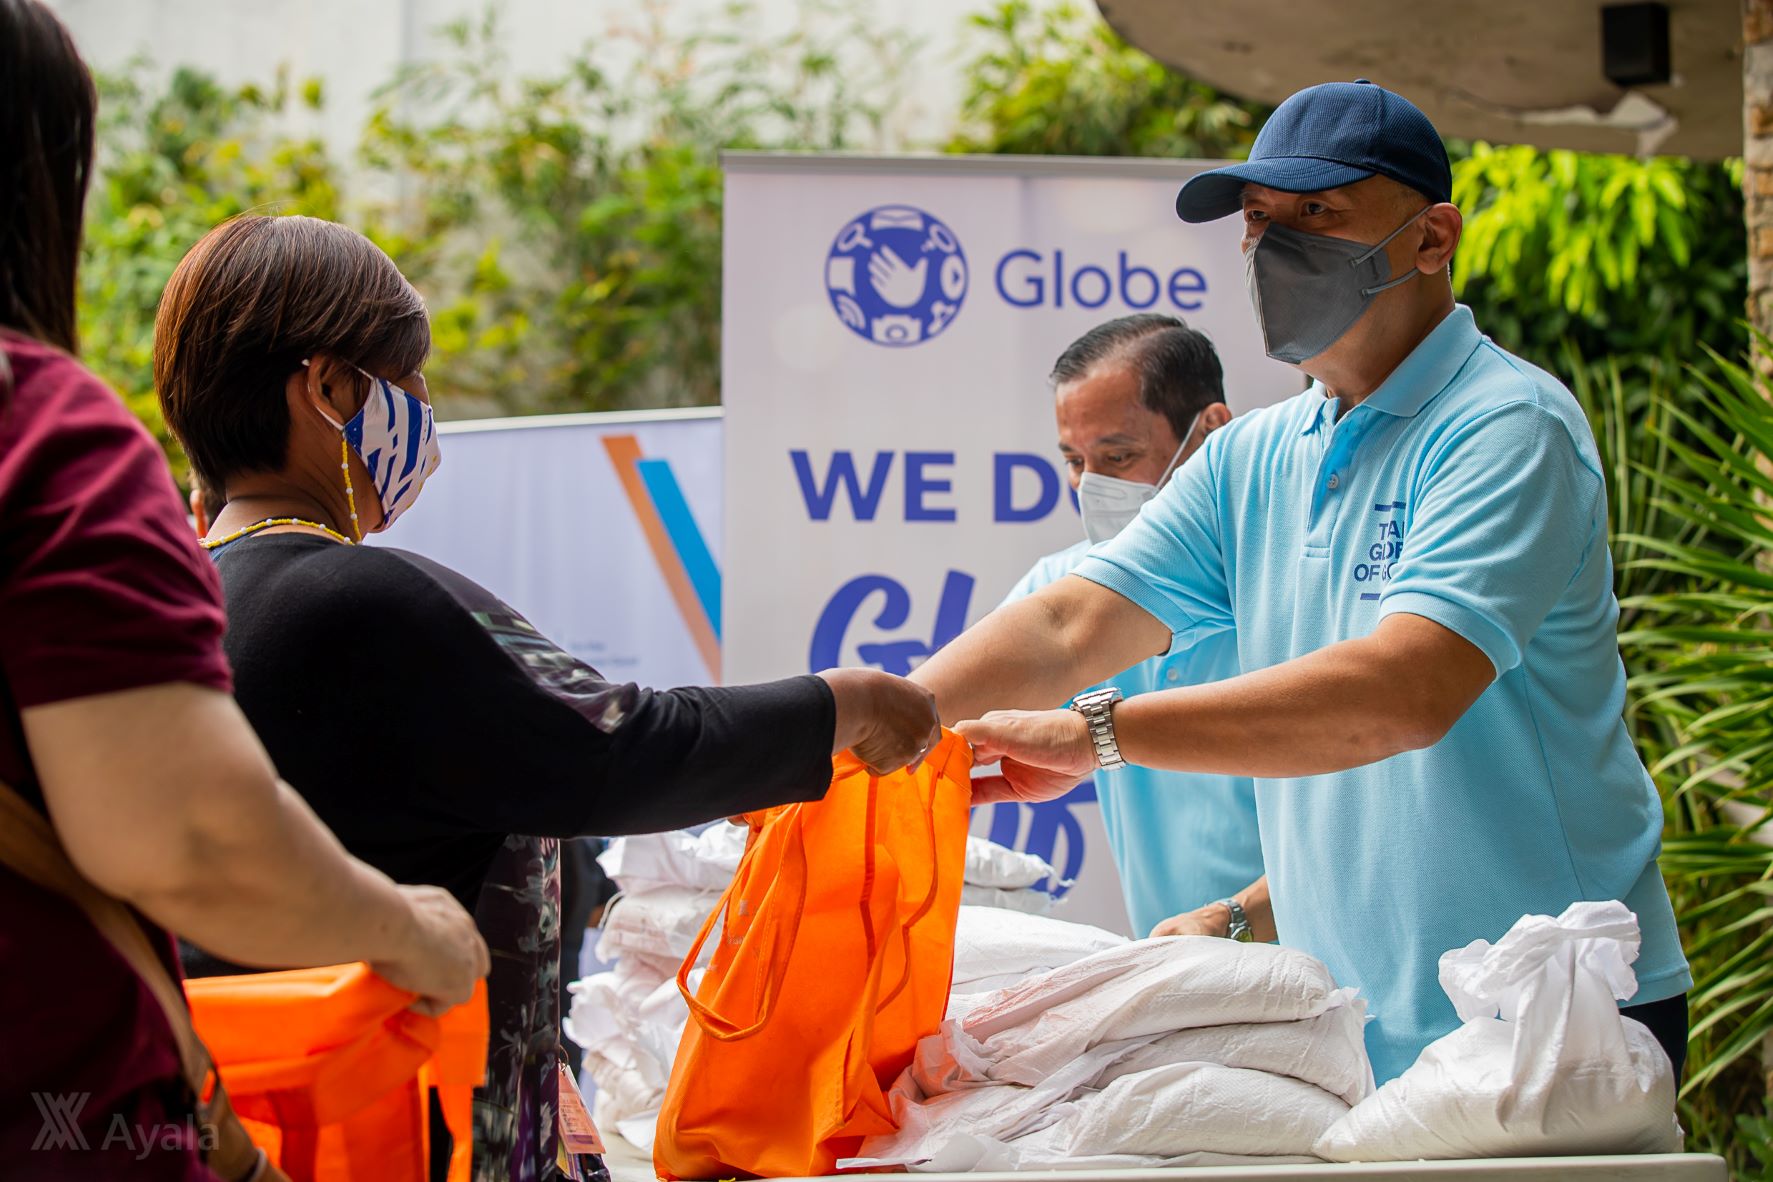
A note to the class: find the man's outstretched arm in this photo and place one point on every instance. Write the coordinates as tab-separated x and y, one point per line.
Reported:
1036	653
1350	704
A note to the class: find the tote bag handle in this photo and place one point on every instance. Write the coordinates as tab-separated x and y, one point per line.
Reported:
929	901
724	1029
794	875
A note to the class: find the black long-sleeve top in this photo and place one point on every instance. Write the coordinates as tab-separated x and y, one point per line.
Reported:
424	720
448	742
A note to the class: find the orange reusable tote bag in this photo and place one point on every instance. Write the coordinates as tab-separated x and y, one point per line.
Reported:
328	1070
835	957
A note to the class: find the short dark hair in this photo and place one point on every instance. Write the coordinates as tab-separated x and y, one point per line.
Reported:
250	302
48	109
1179	371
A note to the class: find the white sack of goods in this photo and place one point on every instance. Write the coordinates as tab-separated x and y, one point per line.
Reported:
998	866
658	926
1544	1064
998	876
699	861
630	1018
994	949
1171	1051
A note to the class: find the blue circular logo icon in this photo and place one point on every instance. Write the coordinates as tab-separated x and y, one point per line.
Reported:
896	275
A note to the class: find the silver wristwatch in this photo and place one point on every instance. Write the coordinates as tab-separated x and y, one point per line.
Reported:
1097	708
1240	929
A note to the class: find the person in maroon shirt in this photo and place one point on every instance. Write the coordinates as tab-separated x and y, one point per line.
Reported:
116	719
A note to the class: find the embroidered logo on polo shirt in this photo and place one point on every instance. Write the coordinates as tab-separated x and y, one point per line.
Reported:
1385	534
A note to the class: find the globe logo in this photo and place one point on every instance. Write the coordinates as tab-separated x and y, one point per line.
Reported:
896	275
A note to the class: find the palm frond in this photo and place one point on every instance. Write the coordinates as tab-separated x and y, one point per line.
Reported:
1698	641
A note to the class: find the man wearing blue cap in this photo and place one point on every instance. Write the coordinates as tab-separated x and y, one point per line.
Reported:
1413	556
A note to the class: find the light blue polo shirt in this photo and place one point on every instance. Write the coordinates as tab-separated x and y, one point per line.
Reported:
1180	839
1466	489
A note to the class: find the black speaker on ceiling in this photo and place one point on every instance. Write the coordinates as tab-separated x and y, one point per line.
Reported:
1634	44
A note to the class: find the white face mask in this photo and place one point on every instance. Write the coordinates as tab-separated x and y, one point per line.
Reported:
1109	504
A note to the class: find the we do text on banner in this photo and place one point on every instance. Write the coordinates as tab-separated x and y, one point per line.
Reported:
891	462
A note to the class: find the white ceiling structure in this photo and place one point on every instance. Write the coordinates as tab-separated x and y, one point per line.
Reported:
1513	71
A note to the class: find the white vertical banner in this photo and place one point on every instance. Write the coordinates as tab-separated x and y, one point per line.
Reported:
891	464
603	530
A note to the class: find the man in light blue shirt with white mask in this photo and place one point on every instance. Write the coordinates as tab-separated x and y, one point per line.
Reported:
1134	398
1413	556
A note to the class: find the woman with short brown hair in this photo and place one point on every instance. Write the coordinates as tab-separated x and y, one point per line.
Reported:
443	737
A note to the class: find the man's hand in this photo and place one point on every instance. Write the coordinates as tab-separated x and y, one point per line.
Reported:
886	722
445	952
1044	753
1212	920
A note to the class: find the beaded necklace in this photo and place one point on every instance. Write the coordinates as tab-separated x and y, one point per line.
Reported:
329	531
267	523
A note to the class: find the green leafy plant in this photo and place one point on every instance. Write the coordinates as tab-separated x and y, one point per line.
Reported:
1628	411
173	162
1056	80
1699	647
1639	259
1757	1140
567	229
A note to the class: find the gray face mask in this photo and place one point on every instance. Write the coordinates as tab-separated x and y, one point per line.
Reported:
1309	289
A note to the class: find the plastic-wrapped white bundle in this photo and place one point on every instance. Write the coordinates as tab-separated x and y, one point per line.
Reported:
1185	1108
659	925
993	949
630	1019
999	867
1174	1051
701	861
1328	1051
1544	1064
1152	986
629	1034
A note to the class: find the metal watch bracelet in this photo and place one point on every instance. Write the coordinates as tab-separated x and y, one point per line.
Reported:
1097	708
1239	928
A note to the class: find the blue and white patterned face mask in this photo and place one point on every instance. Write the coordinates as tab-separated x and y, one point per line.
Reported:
395	435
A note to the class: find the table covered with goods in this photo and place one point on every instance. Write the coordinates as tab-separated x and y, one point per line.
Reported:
858	986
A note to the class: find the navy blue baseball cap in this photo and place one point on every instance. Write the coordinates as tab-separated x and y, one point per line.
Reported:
1325	137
